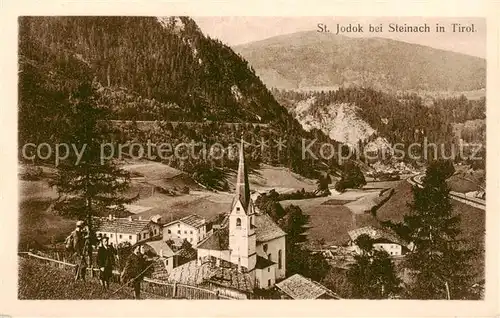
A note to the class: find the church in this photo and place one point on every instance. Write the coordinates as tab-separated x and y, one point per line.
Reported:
247	241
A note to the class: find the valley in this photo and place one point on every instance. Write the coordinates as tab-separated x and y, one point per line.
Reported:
228	125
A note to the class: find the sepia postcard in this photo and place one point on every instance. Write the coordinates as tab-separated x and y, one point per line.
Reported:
171	159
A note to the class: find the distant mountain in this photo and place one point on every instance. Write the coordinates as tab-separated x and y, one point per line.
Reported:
323	61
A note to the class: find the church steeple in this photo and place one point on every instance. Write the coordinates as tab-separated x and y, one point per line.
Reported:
242	186
242	238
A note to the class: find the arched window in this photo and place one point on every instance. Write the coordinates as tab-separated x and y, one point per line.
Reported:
238	222
280	261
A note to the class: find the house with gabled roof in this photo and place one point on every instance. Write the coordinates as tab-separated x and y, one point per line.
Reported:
191	228
383	239
121	230
300	287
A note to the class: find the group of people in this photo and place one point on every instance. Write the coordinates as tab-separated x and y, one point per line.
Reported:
79	242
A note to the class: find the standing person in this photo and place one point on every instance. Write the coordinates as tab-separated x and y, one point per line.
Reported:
105	261
75	244
134	270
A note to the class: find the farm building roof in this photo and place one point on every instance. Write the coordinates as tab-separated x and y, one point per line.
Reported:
382	235
266	229
191	220
193	274
118	225
160	248
300	287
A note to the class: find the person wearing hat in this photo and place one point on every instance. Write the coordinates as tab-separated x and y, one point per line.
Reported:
75	244
105	261
135	270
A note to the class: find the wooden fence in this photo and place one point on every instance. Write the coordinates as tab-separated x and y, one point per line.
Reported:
148	286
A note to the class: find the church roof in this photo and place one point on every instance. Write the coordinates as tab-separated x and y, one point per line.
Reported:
218	241
263	262
242	187
266	229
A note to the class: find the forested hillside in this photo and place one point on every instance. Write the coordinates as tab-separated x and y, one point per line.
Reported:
146	68
368	113
167	60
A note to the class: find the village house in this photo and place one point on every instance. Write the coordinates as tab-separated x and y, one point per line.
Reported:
121	230
300	287
382	240
164	253
191	228
247	250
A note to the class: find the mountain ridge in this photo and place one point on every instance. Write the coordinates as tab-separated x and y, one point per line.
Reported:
314	59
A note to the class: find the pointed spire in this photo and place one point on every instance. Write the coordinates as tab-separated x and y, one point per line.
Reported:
242	187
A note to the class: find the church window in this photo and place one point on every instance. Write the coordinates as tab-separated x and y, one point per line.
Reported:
169	232
264	247
237	208
268	283
238	222
269	256
280	256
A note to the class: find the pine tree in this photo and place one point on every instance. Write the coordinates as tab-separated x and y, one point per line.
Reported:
439	263
373	275
89	187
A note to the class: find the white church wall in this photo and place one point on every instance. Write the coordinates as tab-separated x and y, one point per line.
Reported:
266	278
273	248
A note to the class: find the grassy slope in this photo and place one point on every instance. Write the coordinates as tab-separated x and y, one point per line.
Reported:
331	222
40	281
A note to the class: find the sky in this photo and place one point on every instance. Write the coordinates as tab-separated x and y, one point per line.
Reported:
234	30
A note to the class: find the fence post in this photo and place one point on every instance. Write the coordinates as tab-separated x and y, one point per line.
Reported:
216	294
174	291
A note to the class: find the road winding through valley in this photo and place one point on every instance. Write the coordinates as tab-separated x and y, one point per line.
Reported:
461	197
